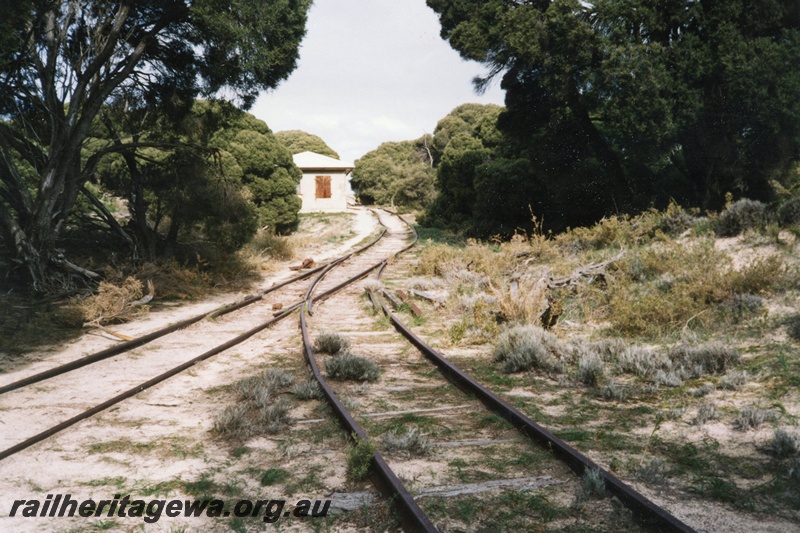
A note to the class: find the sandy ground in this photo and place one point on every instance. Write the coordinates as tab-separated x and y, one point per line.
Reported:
150	445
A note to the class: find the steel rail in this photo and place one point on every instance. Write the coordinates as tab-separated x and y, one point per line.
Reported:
381	475
127	346
644	511
180	368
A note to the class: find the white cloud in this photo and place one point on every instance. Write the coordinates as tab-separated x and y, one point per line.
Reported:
371	72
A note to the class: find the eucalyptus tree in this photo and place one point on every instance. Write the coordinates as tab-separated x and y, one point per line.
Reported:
63	62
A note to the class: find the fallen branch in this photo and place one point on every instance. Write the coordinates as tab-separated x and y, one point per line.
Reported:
589	271
437	298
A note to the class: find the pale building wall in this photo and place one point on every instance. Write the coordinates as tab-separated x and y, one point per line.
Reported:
308	192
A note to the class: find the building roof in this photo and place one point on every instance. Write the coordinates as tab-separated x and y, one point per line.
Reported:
314	161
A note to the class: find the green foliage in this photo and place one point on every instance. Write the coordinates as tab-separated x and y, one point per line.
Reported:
741	216
359	458
227	176
614	106
148	61
396	173
298	141
346	366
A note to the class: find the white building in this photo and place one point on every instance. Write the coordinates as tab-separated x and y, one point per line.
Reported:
324	183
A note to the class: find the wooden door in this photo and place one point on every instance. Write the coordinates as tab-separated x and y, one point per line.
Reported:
323	186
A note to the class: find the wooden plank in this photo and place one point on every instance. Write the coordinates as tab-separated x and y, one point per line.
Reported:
406	300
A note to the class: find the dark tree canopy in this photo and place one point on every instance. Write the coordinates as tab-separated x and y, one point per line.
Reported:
243	178
65	61
617	105
298	141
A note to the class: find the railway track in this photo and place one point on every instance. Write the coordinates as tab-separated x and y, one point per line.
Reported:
464	418
456	410
126	364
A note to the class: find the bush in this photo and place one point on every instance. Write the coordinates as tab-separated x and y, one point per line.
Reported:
789	212
733	380
590	369
706	412
233	422
259	389
654	471
274	417
592	484
359	457
522	348
331	343
410	442
741	216
783	444
347	366
793	327
267	243
307	391
751	417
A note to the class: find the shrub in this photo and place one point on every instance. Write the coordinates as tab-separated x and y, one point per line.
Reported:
789	212
233	422
410	442
706	412
274	417
331	343
751	417
744	305
668	379
643	362
527	305
590	369
654	471
359	457
674	220
793	327
268	244
613	391
709	358
592	484
254	389
347	366
259	389
307	391
783	444
741	216
277	378
372	285
522	348
705	390
733	380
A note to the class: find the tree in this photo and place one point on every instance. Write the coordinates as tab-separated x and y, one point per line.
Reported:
629	103
463	141
245	178
298	141
396	173
65	61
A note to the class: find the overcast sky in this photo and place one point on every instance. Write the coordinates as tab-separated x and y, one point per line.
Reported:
369	72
